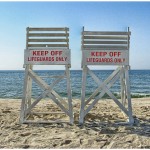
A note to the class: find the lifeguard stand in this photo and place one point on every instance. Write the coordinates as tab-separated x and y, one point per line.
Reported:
106	48
46	46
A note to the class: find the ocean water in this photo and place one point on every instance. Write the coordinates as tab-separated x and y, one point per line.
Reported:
11	83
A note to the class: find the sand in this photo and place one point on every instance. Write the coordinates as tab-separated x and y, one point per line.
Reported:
99	131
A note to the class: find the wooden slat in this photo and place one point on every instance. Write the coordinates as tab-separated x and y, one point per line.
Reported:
48	29
46	113
105	42
105	33
107	37
50	121
48	40
48	34
87	47
47	45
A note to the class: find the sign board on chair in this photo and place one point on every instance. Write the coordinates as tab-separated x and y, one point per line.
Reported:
47	56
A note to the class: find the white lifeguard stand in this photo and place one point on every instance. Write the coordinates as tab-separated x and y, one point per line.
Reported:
106	48
46	46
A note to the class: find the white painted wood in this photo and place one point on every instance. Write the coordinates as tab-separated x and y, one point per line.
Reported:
104	42
105	33
48	29
58	103
96	79
48	35
45	122
48	92
84	73
105	37
131	120
106	48
47	113
112	80
48	40
29	88
45	86
105	57
47	56
123	89
69	92
46	48
60	98
105	82
35	102
24	98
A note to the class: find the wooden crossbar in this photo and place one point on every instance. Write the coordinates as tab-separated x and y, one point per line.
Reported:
105	33
105	82
45	93
45	122
45	86
105	89
104	47
46	113
105	42
48	40
87	37
48	29
48	92
101	88
48	35
47	45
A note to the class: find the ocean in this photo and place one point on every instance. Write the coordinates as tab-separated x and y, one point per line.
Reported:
11	83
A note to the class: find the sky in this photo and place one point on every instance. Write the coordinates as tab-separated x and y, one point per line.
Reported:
94	16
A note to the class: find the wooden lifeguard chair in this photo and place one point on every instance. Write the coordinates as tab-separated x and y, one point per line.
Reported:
46	46
106	48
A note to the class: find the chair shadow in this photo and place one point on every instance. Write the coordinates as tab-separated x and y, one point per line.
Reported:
95	122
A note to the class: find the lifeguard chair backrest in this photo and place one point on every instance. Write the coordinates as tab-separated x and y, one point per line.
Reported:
47	37
105	47
102	40
47	46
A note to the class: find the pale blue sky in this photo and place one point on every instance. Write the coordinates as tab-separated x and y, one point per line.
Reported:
102	16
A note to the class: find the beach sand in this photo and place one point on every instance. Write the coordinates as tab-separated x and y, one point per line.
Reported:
99	130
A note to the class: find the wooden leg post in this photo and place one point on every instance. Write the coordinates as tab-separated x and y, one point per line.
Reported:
131	120
24	99
69	94
122	80
29	88
84	74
